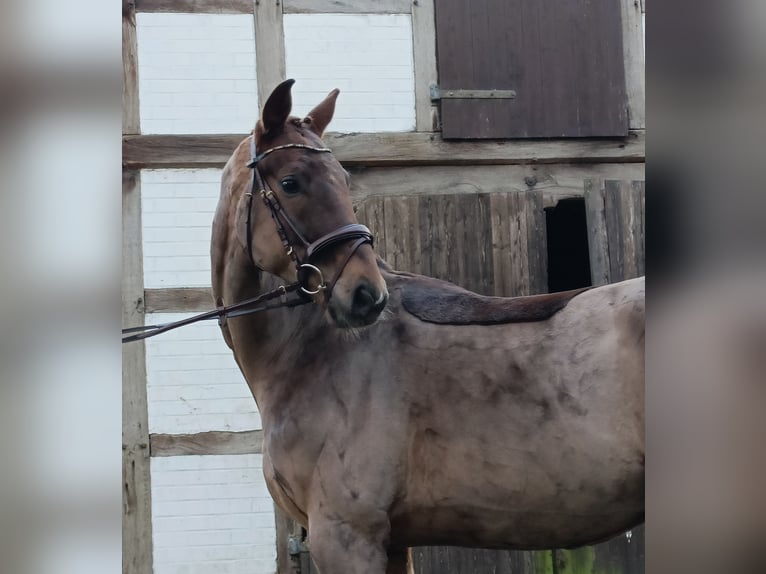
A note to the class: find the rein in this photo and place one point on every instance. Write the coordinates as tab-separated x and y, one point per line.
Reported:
304	268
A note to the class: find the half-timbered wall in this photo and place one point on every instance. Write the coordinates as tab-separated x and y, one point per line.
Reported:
194	74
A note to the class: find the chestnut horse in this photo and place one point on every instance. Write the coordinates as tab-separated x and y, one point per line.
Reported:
448	418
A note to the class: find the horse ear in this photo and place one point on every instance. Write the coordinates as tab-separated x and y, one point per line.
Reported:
320	116
277	107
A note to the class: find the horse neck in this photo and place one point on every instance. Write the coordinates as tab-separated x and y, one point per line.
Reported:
267	343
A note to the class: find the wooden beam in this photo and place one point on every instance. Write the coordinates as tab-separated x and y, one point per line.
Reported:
424	50
196	6
556	181
178	300
347	6
390	149
136	479
212	442
157	151
633	52
269	48
130	109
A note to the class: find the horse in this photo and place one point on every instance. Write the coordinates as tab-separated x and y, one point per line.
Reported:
400	410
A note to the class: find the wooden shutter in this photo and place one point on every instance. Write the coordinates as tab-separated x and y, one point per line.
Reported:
562	58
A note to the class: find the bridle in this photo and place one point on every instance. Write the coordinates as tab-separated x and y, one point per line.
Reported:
304	267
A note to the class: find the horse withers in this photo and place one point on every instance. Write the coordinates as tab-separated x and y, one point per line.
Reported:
400	410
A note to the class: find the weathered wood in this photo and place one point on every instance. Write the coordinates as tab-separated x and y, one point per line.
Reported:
615	219
424	51
159	151
544	52
488	243
178	300
269	48
212	442
196	6
442	559
136	479
283	526
389	149
537	243
130	109
633	49
639	198
347	6
595	216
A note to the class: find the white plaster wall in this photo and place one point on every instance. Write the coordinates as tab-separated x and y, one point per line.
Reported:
196	73
367	56
177	209
193	382
212	515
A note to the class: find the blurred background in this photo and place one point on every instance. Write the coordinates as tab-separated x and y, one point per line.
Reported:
60	361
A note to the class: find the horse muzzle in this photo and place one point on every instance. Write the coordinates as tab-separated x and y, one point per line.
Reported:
361	307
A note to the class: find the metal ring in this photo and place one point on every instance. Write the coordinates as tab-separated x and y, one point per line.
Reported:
316	270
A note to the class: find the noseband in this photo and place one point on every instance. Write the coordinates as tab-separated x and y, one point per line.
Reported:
304	268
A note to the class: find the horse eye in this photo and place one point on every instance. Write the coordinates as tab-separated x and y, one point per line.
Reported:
290	186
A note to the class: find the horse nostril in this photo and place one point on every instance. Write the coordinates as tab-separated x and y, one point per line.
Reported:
364	301
367	301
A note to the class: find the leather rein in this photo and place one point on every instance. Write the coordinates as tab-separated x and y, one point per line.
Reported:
304	267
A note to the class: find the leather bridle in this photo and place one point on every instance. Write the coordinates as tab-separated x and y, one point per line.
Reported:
304	267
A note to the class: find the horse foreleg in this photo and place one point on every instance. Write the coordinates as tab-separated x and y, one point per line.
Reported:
339	548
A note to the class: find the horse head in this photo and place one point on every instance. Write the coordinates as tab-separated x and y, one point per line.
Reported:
300	225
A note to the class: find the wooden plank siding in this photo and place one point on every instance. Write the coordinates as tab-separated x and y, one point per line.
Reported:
389	149
615	213
545	52
488	243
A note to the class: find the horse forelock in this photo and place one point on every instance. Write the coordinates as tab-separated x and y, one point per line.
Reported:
294	130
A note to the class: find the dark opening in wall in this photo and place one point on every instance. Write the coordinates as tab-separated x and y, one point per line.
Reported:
567	234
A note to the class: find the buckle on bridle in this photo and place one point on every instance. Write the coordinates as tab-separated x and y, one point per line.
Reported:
314	269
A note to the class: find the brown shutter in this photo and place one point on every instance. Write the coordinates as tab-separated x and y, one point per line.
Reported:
562	58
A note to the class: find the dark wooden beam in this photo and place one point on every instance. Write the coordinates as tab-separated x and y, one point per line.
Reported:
390	149
212	442
196	6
